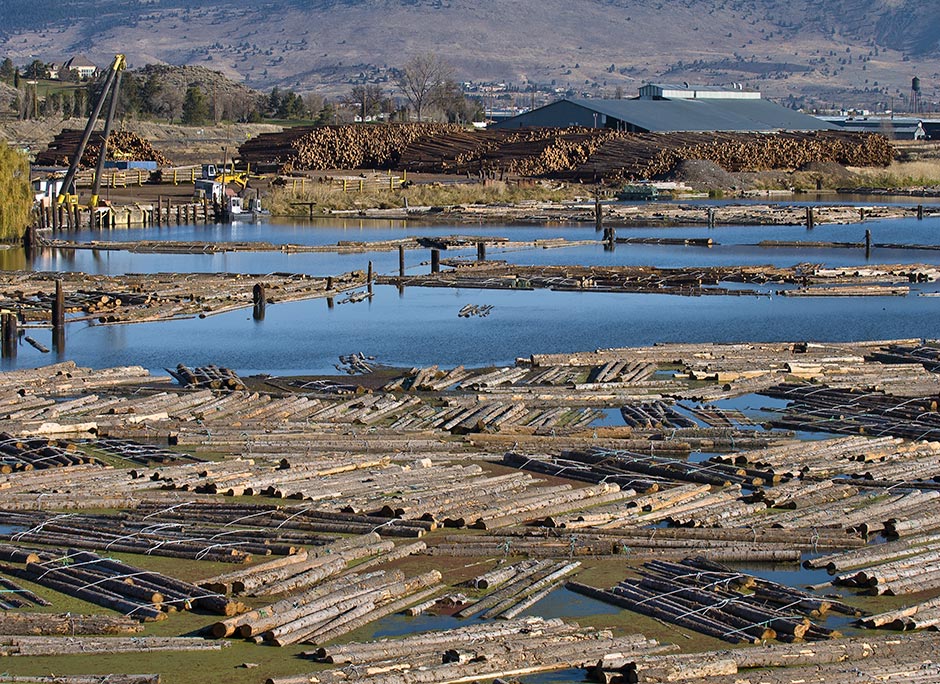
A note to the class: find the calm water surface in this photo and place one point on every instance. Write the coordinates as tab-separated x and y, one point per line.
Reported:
420	326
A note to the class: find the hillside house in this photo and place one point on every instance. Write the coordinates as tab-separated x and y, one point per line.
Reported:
82	66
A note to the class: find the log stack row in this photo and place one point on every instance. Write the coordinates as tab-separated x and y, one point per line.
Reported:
121	145
575	153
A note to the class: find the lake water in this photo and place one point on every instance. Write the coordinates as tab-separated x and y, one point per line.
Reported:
419	326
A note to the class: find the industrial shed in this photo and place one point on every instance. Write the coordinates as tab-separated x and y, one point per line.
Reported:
663	108
896	128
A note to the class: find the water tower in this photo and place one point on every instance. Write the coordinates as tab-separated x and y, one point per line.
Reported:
915	95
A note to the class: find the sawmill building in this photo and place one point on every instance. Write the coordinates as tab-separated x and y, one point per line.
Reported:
664	108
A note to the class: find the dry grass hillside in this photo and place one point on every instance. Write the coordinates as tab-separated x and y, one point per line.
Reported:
815	53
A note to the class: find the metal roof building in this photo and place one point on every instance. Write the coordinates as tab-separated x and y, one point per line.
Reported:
670	109
896	128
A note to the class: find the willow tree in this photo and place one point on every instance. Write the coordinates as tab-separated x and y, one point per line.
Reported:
16	200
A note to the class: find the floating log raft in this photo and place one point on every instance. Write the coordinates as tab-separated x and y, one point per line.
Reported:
102	581
472	653
34	646
108	299
702	595
50	624
856	411
843	660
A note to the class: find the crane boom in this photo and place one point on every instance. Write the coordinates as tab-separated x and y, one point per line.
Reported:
111	84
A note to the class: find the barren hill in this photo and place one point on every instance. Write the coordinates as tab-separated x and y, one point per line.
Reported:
842	52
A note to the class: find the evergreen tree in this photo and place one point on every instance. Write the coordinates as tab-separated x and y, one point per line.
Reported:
7	71
16	200
195	107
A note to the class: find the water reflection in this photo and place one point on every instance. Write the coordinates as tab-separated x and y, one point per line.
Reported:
421	327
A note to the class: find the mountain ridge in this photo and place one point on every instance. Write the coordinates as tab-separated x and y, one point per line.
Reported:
803	53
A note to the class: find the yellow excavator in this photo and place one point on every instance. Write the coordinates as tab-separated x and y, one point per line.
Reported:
112	85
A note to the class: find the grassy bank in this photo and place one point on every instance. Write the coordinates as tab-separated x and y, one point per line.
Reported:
284	201
900	174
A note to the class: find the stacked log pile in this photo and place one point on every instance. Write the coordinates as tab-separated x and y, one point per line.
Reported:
337	147
479	652
706	597
121	145
140	594
575	153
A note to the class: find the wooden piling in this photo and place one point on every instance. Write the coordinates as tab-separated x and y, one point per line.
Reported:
598	214
920	212
58	306
810	218
481	251
867	243
8	333
435	261
711	217
401	261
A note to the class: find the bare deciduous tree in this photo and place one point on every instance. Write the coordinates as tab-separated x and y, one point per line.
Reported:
367	98
420	78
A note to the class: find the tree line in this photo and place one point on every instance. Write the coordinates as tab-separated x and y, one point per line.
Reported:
424	89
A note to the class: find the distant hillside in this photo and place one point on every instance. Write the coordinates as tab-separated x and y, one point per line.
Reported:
824	52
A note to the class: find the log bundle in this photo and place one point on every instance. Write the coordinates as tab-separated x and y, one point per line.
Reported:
867	658
34	646
66	624
25	453
856	411
122	145
139	594
706	597
573	153
318	612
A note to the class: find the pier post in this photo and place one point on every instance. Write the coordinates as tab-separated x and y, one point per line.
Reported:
598	213
861	213
58	306
481	251
369	278
401	261
920	212
867	243
810	218
8	325
711	217
435	261
260	301
329	283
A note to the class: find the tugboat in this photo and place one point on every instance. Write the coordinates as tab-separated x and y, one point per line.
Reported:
236	210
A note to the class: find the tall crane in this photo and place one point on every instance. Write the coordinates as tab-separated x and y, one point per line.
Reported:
112	85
